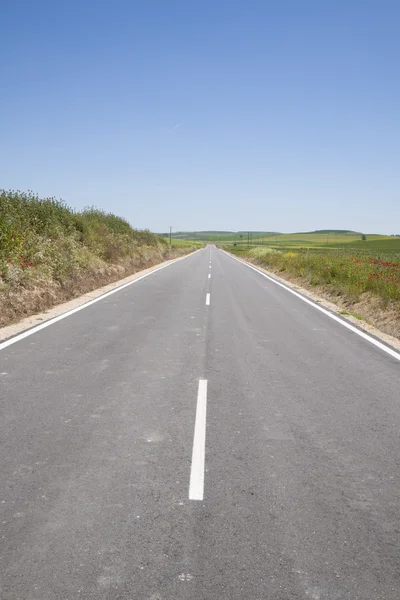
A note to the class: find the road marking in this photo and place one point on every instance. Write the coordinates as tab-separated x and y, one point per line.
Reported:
37	328
208	299
209	267
346	324
196	486
209	276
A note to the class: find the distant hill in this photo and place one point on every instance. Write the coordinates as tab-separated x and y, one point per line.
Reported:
211	235
328	231
200	233
214	233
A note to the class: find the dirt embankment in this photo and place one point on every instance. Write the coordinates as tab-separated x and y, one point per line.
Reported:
38	295
51	253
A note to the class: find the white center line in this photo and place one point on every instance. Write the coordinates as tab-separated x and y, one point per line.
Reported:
196	487
208	299
209	276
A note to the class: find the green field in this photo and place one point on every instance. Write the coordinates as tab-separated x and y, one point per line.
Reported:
177	243
328	239
220	236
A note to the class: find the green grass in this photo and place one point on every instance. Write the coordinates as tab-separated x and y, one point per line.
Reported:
349	314
219	236
378	243
176	243
327	239
348	272
321	239
45	239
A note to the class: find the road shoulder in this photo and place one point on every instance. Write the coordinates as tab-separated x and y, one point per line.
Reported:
10	331
325	303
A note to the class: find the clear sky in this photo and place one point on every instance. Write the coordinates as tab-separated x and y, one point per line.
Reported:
261	114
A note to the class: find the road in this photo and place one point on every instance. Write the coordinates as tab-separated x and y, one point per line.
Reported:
202	434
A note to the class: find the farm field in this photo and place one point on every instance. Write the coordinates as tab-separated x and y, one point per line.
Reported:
282	240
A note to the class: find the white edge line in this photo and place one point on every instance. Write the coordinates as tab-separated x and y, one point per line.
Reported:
196	486
35	329
342	322
208	299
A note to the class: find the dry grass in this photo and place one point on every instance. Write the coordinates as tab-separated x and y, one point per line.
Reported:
41	294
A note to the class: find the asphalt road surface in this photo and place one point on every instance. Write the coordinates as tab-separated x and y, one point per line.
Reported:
202	434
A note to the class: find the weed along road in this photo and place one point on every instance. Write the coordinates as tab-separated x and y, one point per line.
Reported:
201	434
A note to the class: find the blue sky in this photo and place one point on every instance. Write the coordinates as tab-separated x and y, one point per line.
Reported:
277	115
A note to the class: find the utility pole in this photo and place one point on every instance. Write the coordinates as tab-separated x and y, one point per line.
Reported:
170	235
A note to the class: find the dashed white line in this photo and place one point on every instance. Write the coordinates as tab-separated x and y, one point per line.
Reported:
208	299
209	276
196	486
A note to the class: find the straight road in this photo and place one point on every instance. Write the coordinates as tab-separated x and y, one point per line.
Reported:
202	434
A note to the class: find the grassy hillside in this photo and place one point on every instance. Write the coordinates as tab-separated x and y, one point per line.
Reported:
339	231
49	252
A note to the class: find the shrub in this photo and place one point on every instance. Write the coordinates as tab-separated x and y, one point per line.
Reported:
45	234
260	253
349	271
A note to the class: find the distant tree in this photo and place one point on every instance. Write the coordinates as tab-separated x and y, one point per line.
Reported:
364	237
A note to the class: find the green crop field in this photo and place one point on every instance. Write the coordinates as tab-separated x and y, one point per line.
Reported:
176	243
326	239
220	236
319	239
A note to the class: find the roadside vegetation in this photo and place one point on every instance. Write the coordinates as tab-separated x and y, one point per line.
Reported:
363	280
50	253
175	243
350	272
